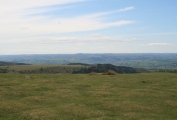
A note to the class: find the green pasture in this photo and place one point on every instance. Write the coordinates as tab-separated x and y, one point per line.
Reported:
147	96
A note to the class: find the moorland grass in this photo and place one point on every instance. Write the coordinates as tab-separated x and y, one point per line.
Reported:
147	96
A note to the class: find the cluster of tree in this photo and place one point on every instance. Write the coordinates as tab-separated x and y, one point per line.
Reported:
102	68
82	69
51	70
166	70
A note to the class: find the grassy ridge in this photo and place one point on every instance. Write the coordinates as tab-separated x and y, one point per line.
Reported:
72	69
150	96
41	68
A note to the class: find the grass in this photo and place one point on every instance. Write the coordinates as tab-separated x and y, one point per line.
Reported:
150	96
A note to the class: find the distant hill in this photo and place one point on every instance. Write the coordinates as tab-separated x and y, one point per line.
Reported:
135	60
79	64
2	63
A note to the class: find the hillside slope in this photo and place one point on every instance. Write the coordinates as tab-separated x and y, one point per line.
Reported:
71	69
3	63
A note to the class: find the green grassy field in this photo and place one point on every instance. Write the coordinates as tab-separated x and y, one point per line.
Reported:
148	96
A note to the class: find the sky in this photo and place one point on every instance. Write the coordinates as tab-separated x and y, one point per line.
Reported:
87	26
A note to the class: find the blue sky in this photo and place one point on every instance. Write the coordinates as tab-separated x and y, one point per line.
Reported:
88	26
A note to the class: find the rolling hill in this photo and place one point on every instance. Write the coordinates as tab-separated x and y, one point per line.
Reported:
135	60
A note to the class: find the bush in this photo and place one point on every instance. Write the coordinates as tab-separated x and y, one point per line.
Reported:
93	73
110	72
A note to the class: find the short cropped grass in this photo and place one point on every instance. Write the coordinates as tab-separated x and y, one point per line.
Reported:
150	96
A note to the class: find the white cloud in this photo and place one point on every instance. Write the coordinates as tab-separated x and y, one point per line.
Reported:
22	26
160	44
54	40
14	23
33	3
110	12
158	34
96	35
